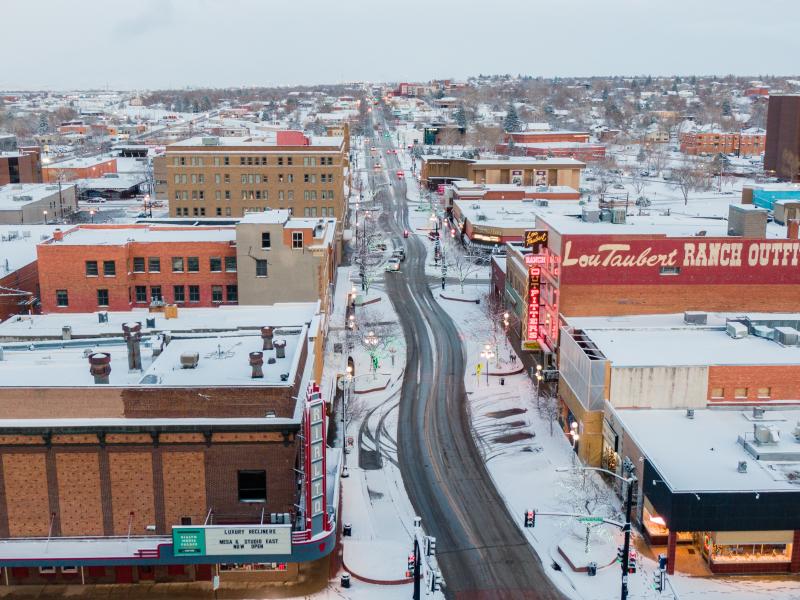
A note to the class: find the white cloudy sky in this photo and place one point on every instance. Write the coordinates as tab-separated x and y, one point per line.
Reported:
173	43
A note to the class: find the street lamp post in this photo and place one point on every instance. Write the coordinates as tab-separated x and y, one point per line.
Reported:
539	378
148	205
573	432
348	389
487	354
91	214
630	481
44	212
371	342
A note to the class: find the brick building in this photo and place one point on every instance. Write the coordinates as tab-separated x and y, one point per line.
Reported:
559	144
112	449
783	136
437	170
19	274
748	142
120	267
610	260
36	203
79	168
219	176
20	166
719	390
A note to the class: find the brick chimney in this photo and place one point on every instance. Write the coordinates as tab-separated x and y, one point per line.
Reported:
793	229
256	360
100	366
280	348
58	235
266	335
132	332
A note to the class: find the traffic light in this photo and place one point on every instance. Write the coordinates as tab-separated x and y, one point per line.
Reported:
632	561
412	563
662	562
620	553
435	581
430	545
658	581
530	518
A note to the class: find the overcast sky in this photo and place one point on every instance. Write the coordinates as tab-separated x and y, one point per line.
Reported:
137	44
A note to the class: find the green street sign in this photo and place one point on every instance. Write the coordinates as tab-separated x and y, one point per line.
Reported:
591	519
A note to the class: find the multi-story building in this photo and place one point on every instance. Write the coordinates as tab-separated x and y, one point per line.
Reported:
594	260
218	176
164	448
714	390
20	166
782	155
562	144
121	267
437	170
748	142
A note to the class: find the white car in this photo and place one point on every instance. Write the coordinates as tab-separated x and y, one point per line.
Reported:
393	264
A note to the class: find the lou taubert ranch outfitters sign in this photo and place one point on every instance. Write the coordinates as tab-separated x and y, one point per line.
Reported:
214	540
683	260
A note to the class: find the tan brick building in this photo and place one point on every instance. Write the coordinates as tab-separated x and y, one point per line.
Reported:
228	177
522	171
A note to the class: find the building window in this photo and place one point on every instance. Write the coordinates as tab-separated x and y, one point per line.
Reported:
155	293
138	264
297	239
179	293
194	293
230	264
261	268
62	298
266	242
227	211
193	264
141	294
289	161
177	264
154	264
232	292
216	293
109	268
102	297
740	392
764	392
91	268
215	264
717	392
669	271
252	486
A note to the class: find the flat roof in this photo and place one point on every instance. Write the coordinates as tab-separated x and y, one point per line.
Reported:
79	163
11	195
18	245
498	213
531	161
706	458
123	182
266	140
665	340
558	145
268	217
210	320
119	236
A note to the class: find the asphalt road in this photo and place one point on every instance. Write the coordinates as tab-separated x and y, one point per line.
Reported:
481	550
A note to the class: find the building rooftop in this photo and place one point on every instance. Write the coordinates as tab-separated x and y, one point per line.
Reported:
16	195
559	145
122	182
119	235
18	245
666	340
498	213
532	161
267	217
254	143
79	163
707	457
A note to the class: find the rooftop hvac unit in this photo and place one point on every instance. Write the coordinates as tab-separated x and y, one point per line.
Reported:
763	331
211	141
618	215
742	468
758	413
23	198
795	432
766	434
189	360
786	336
736	330
690	413
590	215
692	317
542	202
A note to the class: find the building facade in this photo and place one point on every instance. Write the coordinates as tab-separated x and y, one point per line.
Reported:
29	204
20	166
748	142
783	136
217	176
437	170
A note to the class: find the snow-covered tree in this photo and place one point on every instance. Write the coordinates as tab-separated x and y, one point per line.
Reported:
460	117
511	121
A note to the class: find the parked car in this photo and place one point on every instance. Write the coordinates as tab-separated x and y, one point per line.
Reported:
399	253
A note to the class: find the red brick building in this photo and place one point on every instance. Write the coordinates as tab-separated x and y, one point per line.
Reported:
107	267
748	142
559	144
79	168
22	166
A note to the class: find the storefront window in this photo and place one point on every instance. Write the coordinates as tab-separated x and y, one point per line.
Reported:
747	546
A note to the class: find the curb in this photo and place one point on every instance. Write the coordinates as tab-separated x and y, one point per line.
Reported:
517	372
459	299
376	581
373	301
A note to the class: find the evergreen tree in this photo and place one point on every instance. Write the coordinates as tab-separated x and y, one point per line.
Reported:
649	81
206	103
195	106
44	126
511	122
726	108
461	117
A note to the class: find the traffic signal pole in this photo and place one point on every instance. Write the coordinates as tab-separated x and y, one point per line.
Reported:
627	544
417	569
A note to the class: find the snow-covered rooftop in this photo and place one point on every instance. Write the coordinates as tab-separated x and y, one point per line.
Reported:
268	217
118	236
267	139
702	454
16	195
18	245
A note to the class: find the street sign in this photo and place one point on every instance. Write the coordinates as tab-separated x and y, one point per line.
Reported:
478	368
591	519
212	540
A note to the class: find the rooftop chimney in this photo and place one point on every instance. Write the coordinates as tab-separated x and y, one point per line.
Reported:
132	333
280	348
100	366
58	235
256	360
793	229
266	335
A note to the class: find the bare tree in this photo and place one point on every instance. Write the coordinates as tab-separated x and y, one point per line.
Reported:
606	175
789	165
639	182
549	408
687	178
585	493
464	264
657	159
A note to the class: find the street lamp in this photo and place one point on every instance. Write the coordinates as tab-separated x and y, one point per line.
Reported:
539	379
487	354
149	204
371	342
347	390
630	481
573	432
352	322
91	214
45	216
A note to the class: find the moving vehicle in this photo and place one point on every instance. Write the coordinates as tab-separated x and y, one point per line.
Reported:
399	253
401	175
393	264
